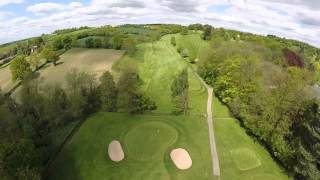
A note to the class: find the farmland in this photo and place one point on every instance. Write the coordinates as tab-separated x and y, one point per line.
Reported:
94	61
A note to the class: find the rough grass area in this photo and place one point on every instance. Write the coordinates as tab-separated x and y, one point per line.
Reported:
240	156
94	61
86	157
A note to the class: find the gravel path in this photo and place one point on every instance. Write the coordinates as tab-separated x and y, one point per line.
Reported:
213	148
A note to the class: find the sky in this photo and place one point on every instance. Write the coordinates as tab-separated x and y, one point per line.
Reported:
294	19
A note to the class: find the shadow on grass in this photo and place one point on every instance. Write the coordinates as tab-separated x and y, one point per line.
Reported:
68	168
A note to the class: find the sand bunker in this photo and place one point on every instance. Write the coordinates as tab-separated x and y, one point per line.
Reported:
115	151
181	158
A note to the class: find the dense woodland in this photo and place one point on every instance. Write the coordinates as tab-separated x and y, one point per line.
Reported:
266	81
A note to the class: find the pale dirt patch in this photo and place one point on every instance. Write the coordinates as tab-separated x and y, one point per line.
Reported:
94	61
181	158
115	151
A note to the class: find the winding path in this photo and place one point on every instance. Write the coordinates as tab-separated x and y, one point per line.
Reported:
213	148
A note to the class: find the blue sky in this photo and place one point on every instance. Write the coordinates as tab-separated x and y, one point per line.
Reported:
296	19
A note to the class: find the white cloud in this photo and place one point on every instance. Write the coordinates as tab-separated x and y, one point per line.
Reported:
48	8
45	8
296	20
6	2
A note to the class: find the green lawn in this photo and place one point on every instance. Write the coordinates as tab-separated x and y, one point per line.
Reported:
193	44
147	141
241	157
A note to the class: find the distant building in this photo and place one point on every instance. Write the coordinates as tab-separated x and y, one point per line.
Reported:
33	49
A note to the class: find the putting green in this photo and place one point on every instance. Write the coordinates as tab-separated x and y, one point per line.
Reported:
245	159
154	139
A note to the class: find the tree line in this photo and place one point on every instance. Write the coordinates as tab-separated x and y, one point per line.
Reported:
274	100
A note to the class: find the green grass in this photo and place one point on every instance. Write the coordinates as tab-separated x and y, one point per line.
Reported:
193	43
156	136
245	158
240	156
85	157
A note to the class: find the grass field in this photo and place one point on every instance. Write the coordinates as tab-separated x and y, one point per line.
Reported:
193	44
147	139
241	157
94	61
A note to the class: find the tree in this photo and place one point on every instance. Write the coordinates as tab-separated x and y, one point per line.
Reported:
173	41
207	32
89	43
129	45
307	140
184	31
83	93
20	68
35	60
74	42
130	99
50	55
97	43
108	92
116	41
179	93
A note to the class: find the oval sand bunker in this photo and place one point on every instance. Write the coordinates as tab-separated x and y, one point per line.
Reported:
115	151
181	158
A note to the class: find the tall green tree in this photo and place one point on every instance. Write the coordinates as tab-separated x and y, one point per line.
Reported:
50	55
307	141
108	92
173	41
130	99
20	68
179	93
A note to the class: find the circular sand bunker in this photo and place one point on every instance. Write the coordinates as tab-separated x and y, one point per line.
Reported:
181	158
115	151
149	140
